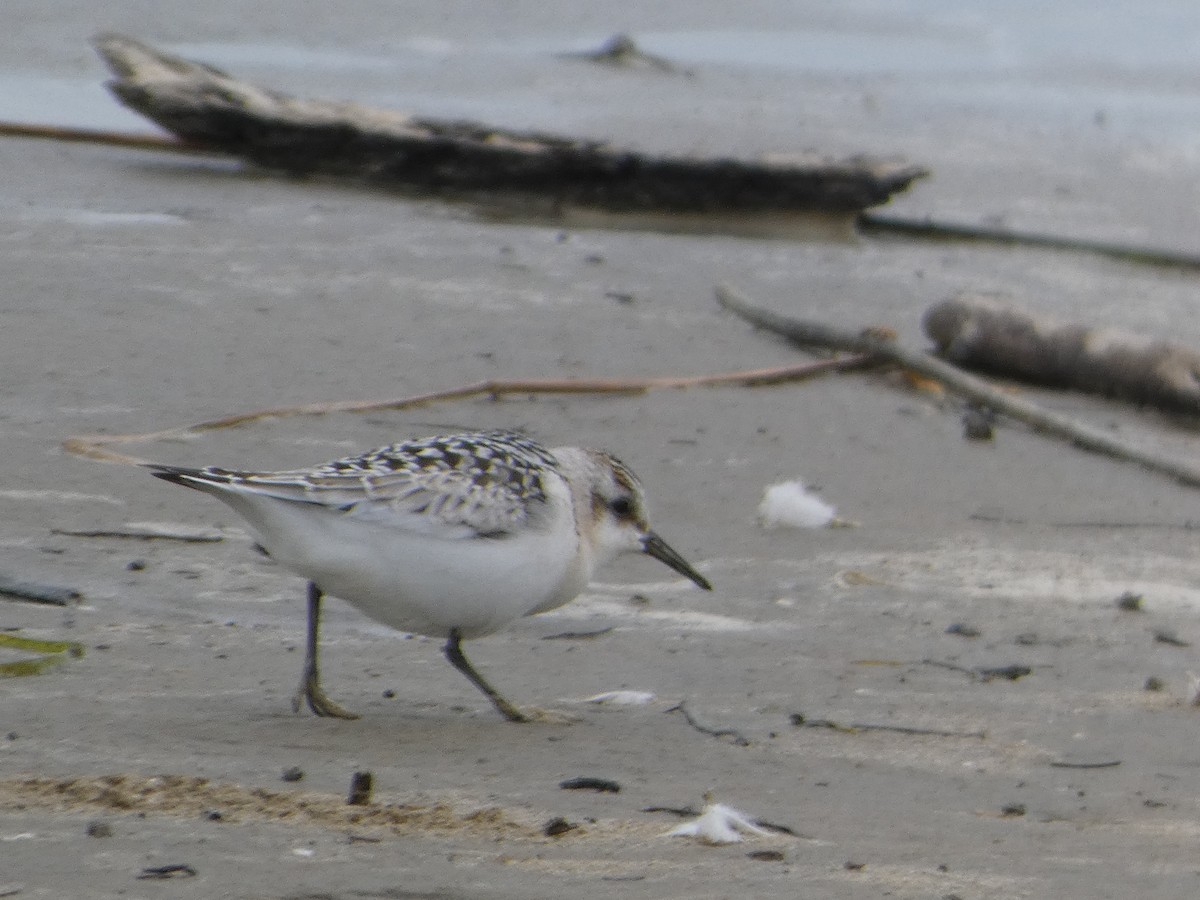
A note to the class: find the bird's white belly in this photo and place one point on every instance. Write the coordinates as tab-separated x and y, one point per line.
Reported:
430	585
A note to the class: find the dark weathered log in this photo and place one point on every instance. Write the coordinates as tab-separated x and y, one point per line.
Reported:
204	106
984	333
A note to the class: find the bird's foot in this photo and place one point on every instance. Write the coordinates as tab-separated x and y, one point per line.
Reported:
318	701
533	715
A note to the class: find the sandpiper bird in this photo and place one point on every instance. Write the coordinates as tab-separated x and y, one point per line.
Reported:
452	536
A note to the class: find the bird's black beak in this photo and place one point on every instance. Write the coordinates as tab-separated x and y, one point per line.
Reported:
653	545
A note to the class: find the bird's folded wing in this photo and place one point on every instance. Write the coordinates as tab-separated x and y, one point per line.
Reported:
445	503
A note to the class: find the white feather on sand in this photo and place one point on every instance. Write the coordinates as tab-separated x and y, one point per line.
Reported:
718	824
790	504
620	698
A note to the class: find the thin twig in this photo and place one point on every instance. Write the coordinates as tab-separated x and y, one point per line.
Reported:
778	828
94	445
738	738
953	667
577	635
109	138
1186	525
1086	437
801	721
143	534
684	812
985	673
1108	764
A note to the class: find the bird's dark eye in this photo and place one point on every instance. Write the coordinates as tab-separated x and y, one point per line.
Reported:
621	507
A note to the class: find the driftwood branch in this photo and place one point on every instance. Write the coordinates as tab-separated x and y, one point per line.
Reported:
207	107
95	446
876	222
979	332
814	334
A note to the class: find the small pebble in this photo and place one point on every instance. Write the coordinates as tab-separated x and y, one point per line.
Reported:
586	783
99	829
163	872
558	826
963	630
1154	683
1130	602
360	789
292	773
135	565
1012	673
1169	637
977	423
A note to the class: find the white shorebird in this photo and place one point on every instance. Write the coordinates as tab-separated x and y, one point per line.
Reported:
451	536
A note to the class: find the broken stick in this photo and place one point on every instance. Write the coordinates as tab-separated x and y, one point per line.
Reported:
94	445
806	333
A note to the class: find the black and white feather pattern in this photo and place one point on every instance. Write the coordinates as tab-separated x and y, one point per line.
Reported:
478	484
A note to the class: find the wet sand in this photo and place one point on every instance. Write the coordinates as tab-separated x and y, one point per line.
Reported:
145	291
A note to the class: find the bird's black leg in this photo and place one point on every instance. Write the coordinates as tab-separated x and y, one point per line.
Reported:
310	683
454	653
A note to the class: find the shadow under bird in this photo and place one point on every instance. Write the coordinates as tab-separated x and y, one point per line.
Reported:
452	536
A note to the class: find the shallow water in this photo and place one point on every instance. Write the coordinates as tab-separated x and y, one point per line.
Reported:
43	99
1132	68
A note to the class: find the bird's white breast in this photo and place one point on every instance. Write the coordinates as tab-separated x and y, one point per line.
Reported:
423	581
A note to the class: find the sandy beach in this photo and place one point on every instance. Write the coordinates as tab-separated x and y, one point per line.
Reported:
855	676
